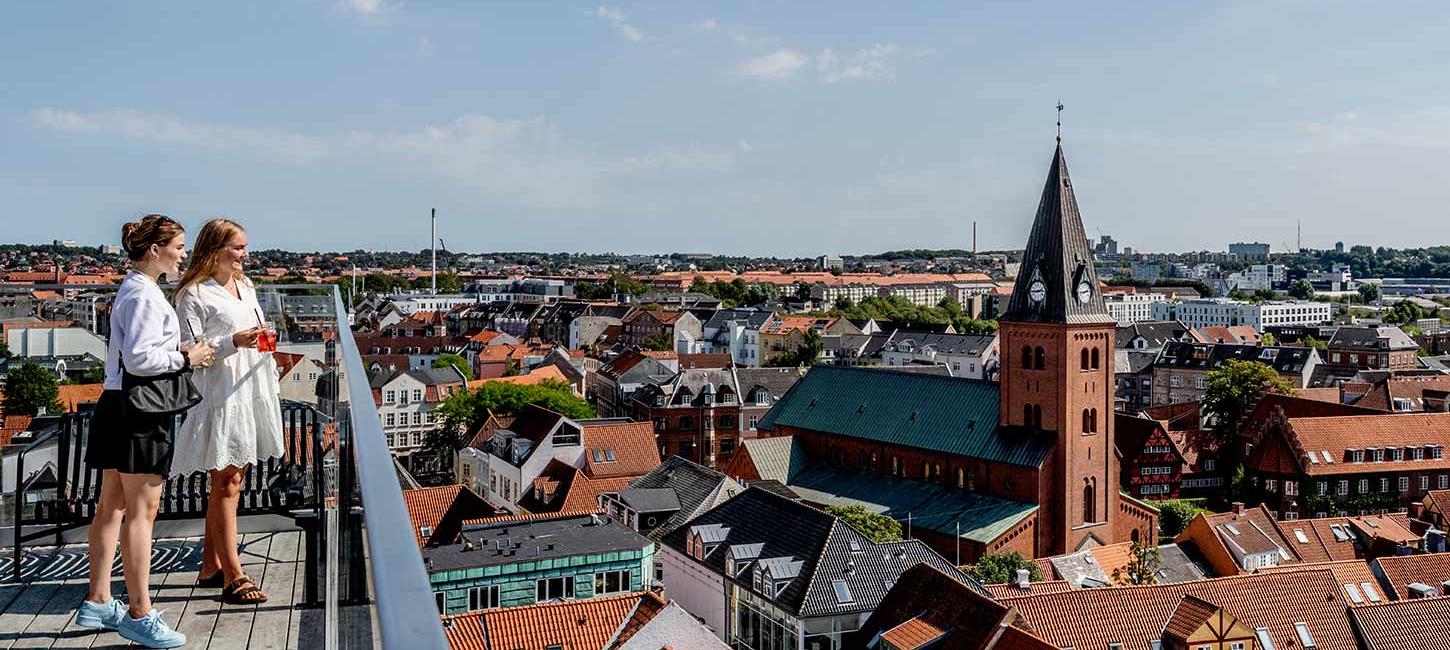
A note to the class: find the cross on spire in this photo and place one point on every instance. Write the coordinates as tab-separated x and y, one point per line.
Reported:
1059	121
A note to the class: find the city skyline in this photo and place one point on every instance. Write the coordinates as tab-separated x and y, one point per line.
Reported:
760	131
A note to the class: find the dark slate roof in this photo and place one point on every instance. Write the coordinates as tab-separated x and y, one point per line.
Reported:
1208	356
651	499
926	411
1133	361
777	381
942	343
752	317
513	542
1058	253
1329	375
826	548
1156	333
697	488
1368	338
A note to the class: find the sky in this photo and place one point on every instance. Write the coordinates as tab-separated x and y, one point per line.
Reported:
756	128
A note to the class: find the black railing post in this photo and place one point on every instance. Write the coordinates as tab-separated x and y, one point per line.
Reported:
19	506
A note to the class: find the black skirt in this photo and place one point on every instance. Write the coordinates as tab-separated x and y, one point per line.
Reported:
127	440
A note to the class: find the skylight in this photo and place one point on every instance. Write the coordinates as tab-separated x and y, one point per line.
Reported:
1299	535
1369	592
1232	528
1328	460
1313	458
843	592
1264	639
1354	593
1302	629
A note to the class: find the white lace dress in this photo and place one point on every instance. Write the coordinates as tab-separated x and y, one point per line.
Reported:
239	420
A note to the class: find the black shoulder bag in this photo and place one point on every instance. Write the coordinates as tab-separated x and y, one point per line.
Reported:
168	393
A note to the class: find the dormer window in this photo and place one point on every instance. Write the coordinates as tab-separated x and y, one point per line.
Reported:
1379	455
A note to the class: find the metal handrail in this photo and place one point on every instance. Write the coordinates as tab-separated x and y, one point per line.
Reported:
400	582
20	494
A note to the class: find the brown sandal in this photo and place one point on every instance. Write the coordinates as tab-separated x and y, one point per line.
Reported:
236	594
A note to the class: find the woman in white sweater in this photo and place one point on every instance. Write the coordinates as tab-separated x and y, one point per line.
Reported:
239	421
133	449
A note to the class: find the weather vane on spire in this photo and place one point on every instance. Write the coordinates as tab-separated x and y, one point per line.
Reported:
1059	121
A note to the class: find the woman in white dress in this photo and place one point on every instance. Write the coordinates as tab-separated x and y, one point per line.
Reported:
239	421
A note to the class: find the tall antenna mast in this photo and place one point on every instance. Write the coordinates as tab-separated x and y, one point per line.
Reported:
433	245
1059	120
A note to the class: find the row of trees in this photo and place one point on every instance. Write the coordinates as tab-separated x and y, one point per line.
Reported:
618	283
903	312
461	411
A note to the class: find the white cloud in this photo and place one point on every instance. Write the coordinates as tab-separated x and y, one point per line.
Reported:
616	18
425	46
780	64
527	162
872	62
707	25
370	10
743	145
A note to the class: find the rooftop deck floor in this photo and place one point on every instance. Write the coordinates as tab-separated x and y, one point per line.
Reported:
40	612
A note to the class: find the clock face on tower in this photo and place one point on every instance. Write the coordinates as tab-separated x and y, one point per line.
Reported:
1084	292
1037	291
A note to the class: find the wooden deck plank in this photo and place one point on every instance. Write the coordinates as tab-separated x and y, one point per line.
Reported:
198	620
54	623
23	610
298	615
234	623
270	626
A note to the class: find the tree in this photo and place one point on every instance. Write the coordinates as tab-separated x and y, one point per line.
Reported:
1142	568
878	527
1405	312
1234	389
802	291
95	375
1301	289
1369	292
997	568
1268	340
658	343
457	361
1174	515
4	349
1311	342
460	411
30	388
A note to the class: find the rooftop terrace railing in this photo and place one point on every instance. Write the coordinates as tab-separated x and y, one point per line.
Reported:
336	480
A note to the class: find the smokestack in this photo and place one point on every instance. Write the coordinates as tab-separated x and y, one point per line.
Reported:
433	246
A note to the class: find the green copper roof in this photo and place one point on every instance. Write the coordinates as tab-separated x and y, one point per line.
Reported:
941	508
947	414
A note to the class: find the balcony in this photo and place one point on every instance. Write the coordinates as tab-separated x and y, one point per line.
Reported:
323	530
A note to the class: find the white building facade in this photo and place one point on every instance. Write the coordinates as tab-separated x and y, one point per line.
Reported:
1207	312
1129	308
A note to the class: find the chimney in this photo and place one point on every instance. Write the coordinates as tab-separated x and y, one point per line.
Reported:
1023	578
1238	507
1417	508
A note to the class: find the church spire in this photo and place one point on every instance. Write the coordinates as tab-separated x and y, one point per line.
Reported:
1056	282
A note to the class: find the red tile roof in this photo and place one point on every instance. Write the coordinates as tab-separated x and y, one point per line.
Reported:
442	509
1094	618
286	361
1009	589
1228	334
533	516
11	425
622	449
534	377
1395	391
912	634
73	395
589	623
1405	625
1337	434
1346	572
1400	570
1330	395
926	601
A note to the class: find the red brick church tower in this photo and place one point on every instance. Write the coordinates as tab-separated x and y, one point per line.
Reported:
1057	374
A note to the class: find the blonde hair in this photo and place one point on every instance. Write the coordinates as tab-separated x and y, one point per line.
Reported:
138	236
210	243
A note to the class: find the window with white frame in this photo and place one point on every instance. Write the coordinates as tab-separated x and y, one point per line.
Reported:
554	588
611	582
483	597
1404	484
1364	486
1384	485
1323	488
1444	481
1424	482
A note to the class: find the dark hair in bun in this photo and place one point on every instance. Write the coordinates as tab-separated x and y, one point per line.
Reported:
138	236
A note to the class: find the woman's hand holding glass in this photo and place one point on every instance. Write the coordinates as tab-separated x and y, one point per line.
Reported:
247	338
200	353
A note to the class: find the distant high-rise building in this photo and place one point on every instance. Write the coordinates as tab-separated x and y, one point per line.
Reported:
1249	250
1106	245
830	262
1339	247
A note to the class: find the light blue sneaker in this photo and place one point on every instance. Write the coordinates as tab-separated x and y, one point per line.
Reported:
150	631
100	617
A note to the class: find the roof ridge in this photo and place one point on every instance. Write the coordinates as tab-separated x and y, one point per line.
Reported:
1242	576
